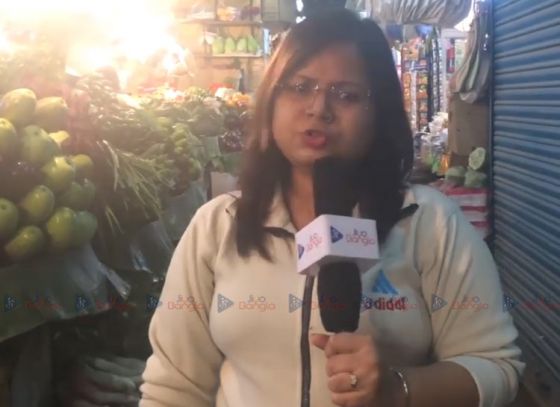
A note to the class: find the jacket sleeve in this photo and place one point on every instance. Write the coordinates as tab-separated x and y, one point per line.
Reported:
460	283
184	367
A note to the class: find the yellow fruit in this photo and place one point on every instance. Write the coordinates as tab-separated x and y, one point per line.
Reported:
36	146
27	242
59	173
37	205
84	228
74	197
83	165
60	137
18	106
9	217
8	139
51	113
61	228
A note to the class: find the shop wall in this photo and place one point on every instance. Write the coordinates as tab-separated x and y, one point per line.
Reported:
526	180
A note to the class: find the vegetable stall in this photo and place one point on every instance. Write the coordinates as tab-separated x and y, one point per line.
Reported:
99	177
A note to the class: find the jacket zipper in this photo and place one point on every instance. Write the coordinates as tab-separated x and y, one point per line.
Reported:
304	343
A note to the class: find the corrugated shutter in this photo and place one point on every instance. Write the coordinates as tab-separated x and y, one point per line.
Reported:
526	169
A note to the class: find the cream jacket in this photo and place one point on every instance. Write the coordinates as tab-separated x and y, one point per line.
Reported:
229	330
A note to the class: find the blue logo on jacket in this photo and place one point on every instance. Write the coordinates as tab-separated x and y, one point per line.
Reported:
383	285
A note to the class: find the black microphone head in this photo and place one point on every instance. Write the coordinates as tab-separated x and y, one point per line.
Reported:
340	296
336	191
335	186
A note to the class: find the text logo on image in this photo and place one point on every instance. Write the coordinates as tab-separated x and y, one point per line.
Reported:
184	304
314	241
82	303
113	302
437	303
224	303
336	235
509	303
469	303
536	303
361	237
300	250
367	303
152	303
42	302
10	303
256	304
295	303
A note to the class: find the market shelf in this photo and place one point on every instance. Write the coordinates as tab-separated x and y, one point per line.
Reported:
230	56
218	23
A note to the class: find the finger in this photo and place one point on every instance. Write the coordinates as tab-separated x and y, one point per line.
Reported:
341	364
341	383
345	343
320	340
350	399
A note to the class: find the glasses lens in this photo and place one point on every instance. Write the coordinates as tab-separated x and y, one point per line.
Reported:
348	95
342	96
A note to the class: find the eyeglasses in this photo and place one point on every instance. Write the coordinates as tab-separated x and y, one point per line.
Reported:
342	96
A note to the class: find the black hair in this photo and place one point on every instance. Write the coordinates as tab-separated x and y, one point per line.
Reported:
389	159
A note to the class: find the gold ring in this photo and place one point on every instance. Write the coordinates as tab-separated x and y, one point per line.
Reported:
353	381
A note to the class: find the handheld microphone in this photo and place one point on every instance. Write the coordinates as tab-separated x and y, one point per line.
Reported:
336	189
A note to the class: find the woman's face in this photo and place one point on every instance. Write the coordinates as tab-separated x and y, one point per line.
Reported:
325	109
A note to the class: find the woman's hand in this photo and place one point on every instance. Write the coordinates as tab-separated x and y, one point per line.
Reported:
352	357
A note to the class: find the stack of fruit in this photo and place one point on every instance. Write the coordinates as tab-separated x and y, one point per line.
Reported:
473	176
230	46
44	195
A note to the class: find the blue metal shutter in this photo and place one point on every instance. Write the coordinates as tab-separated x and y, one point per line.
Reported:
526	170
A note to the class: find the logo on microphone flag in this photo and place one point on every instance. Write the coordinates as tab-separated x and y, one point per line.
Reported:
300	250
437	303
383	285
336	235
294	302
223	303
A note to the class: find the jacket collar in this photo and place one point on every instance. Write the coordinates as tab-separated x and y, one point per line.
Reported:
279	215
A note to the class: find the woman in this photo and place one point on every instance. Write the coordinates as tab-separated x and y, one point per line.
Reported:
434	333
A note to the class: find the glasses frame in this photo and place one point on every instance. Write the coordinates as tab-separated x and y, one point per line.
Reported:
329	90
